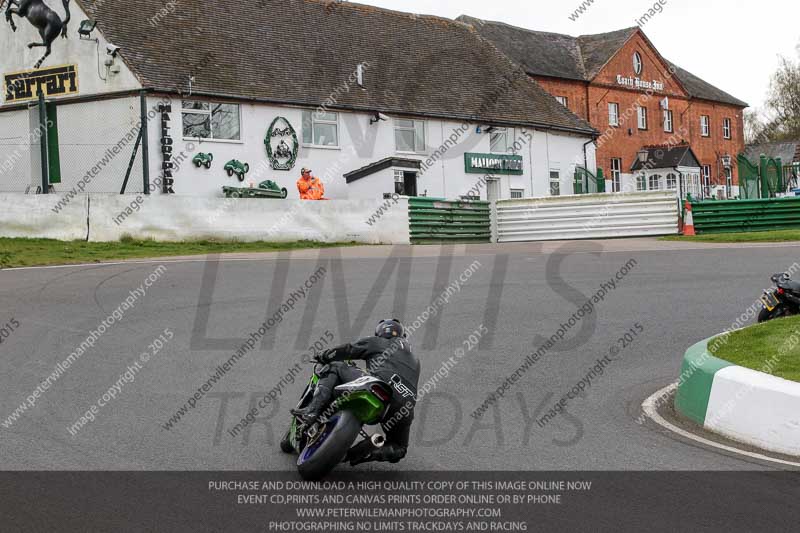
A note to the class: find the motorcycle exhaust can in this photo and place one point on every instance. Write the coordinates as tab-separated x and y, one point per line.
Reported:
378	441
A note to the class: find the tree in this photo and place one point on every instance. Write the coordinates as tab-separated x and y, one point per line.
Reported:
782	105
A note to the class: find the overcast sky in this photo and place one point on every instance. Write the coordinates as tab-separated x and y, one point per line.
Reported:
733	44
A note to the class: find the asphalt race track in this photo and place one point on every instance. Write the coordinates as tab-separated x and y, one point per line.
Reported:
677	293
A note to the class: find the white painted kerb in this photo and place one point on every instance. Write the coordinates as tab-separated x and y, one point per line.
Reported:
755	408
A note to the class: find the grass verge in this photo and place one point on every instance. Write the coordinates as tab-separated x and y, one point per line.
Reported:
772	347
786	235
38	252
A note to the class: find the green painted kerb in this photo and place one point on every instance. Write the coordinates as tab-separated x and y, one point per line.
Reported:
696	380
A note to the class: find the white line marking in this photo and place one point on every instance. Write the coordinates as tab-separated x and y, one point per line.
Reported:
267	256
651	411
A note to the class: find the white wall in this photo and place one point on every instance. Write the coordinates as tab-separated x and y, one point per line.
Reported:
106	218
33	216
360	145
179	218
376	185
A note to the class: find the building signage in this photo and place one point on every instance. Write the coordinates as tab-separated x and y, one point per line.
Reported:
493	164
26	85
638	83
167	164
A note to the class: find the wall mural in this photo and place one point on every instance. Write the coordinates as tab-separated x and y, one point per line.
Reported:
43	18
282	154
203	160
234	166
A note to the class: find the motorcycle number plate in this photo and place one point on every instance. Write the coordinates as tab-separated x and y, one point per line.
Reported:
770	301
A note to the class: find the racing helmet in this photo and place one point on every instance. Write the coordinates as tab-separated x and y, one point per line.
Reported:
390	329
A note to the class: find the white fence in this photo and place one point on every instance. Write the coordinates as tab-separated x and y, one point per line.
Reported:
107	218
593	216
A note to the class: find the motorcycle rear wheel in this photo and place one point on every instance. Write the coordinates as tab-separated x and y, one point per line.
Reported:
322	455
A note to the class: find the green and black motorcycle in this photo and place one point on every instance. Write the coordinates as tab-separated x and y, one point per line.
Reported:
332	438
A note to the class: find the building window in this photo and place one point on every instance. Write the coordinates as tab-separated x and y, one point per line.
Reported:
613	114
705	126
726	128
641	184
501	141
555	183
654	182
642	112
616	174
707	180
517	194
637	63
409	136
212	121
668	121
562	100
321	129
672	181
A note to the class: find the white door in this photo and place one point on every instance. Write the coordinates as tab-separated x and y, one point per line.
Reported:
493	190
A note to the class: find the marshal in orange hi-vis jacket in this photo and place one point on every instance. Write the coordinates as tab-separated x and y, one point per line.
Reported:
310	187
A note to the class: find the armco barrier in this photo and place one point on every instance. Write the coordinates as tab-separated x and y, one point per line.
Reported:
107	218
434	221
32	216
746	215
744	405
593	216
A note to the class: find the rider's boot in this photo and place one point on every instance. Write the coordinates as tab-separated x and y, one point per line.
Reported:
310	413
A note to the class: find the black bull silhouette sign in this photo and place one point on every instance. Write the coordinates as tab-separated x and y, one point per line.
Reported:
44	19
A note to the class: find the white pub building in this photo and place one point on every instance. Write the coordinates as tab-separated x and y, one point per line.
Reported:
373	101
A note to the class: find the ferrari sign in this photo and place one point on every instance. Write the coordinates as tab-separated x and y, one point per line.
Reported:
27	85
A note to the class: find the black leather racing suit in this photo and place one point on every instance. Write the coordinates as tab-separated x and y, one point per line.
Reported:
392	361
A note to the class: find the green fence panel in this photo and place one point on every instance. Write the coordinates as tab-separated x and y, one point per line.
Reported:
585	182
746	215
749	187
437	221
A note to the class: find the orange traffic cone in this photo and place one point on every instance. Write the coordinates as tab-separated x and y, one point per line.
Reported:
688	220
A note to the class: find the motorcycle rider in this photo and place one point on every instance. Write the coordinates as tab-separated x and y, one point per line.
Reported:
388	357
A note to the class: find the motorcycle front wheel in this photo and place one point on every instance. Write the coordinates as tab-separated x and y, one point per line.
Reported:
766	315
323	453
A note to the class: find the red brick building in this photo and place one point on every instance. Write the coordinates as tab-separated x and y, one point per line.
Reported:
638	100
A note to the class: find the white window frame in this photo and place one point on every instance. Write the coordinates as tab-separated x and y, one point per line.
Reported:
705	175
613	114
209	113
726	128
314	121
520	194
668	121
641	117
638	65
616	174
705	125
417	150
650	179
672	184
563	100
555	181
509	134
